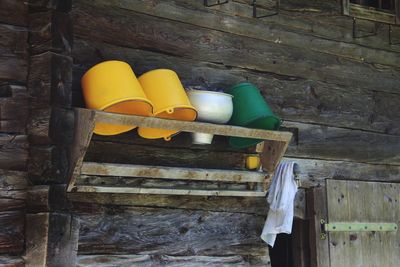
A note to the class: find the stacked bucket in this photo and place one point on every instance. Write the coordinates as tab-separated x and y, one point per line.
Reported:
112	86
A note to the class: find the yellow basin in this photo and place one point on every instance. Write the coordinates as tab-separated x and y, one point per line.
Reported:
112	86
170	101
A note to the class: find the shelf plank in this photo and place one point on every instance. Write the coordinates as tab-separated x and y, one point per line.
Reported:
175	173
188	126
165	191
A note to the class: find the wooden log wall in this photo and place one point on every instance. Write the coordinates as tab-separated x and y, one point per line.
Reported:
14	145
339	96
51	230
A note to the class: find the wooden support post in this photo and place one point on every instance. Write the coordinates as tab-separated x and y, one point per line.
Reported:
317	210
50	31
51	240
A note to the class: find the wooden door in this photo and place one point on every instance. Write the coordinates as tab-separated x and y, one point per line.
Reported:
356	201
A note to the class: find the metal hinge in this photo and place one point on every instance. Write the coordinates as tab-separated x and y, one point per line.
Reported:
356	227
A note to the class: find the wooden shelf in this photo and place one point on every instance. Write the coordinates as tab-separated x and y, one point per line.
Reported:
271	152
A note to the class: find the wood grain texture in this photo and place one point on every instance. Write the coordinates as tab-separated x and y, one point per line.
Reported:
251	205
13	53
49	80
11	261
194	12
132	230
170	261
346	202
321	142
292	98
50	31
202	44
40	5
14	12
51	240
190	126
314	172
317	210
103	169
14	108
310	19
12	231
13	152
48	164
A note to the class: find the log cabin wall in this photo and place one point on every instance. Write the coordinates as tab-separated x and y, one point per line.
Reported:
339	95
14	112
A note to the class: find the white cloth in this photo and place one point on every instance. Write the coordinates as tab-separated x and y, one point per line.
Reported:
281	203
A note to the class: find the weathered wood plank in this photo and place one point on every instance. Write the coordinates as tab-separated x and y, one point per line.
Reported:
346	202
11	261
310	18
314	172
194	12
50	80
84	123
321	142
51	239
48	164
361	12
14	39
61	5
251	205
188	126
131	230
13	152
166	191
176	157
44	198
202	44
13	180
13	51
50	31
12	231
14	108
317	210
170	261
292	98
14	12
104	169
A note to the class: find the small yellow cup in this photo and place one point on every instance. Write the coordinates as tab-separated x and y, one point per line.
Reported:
253	162
112	86
164	89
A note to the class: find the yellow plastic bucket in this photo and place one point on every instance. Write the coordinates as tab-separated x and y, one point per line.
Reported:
170	101
112	86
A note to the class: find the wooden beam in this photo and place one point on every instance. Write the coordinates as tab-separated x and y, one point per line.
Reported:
125	170
186	126
369	13
83	131
165	191
317	210
51	239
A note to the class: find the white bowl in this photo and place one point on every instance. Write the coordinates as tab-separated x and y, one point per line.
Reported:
214	107
211	106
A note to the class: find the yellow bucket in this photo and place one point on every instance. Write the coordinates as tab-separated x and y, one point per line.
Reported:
112	86
170	101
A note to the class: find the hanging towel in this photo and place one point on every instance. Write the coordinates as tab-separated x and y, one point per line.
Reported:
281	203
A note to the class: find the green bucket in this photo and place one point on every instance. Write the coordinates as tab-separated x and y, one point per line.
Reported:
250	110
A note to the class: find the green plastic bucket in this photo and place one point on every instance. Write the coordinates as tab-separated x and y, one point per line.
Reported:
250	110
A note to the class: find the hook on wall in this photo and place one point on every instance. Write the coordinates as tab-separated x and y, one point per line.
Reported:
255	13
217	3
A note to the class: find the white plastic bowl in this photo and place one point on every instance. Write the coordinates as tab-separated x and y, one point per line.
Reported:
214	107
